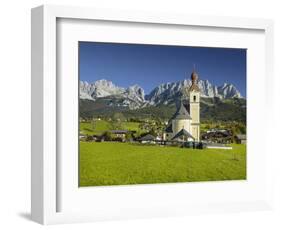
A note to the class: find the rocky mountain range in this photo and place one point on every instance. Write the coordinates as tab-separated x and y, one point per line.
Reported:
134	96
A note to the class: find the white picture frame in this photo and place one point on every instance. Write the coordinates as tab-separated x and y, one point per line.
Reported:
46	164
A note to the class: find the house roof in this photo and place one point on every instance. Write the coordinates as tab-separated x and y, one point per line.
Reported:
217	133
148	137
241	136
181	113
183	132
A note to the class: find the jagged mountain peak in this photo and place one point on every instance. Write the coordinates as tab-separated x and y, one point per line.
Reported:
165	93
135	92
229	91
104	82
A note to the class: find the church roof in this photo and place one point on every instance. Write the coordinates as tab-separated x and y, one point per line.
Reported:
183	132
169	128
181	113
194	87
194	78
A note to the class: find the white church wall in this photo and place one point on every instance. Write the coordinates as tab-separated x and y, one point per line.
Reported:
178	125
196	132
195	106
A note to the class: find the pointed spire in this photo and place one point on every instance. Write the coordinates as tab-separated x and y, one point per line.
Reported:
194	76
194	79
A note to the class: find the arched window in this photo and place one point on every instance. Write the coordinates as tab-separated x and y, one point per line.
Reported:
194	98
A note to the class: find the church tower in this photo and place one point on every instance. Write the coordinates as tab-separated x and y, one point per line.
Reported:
194	105
184	125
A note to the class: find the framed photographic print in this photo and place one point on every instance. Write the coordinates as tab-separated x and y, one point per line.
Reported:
140	114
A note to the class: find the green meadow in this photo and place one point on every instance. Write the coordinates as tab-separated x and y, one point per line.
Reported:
113	163
89	129
101	126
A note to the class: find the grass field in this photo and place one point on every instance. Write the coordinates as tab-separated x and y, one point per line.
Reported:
110	163
102	126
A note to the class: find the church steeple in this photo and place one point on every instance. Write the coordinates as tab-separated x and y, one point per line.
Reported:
194	76
194	105
194	80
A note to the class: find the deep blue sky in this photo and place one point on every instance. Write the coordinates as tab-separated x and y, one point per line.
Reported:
150	65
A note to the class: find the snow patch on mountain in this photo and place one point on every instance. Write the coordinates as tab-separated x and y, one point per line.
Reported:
228	91
134	96
165	93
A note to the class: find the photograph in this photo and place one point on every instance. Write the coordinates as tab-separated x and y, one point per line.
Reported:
152	114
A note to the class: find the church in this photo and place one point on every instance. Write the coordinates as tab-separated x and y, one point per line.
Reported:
185	123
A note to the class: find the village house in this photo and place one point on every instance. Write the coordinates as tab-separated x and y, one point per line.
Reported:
217	136
82	136
241	139
148	138
119	133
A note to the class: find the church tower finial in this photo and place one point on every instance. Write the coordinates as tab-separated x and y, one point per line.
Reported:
194	77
